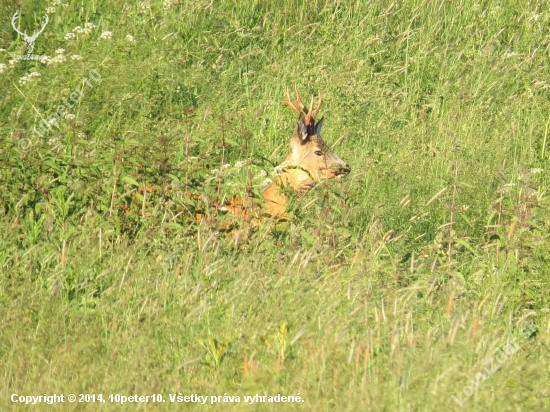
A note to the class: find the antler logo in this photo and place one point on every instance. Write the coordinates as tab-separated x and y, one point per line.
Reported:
28	39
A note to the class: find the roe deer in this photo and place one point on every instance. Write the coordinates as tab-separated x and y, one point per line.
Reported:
308	161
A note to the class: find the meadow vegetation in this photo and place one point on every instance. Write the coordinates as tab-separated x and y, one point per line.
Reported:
387	290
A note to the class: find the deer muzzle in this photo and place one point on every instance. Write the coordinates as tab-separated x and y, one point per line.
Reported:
337	171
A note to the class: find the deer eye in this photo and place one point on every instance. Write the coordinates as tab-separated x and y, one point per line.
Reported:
318	153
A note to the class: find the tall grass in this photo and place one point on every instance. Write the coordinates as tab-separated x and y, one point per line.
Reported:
387	290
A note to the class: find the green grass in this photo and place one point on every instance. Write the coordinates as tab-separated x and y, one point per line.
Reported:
387	291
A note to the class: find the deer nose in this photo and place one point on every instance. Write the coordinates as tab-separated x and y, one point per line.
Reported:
344	170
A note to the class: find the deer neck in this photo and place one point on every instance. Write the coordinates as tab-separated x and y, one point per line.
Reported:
290	175
276	203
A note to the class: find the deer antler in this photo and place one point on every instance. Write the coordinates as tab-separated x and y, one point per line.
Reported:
310	115
13	19
316	111
298	101
36	33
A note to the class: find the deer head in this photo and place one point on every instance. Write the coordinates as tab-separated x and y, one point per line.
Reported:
28	39
309	153
309	160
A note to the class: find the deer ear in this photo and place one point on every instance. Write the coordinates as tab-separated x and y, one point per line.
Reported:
319	126
302	129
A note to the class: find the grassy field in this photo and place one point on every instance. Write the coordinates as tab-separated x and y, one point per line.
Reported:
420	282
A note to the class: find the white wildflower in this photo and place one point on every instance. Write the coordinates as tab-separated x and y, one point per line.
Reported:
53	140
239	164
82	135
69	116
537	170
130	38
215	171
226	166
280	168
2	67
25	79
58	58
106	35
267	182
60	51
88	27
50	10
45	59
12	62
70	36
56	2
52	122
76	57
